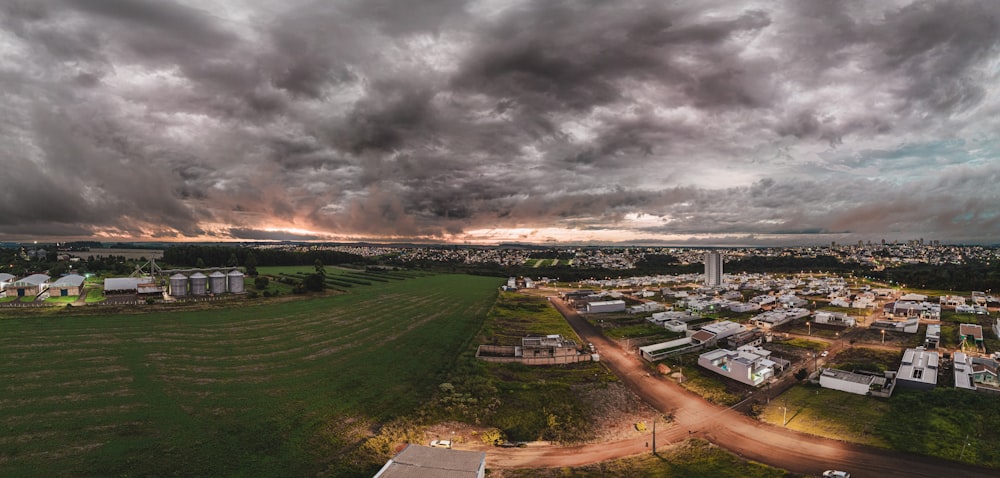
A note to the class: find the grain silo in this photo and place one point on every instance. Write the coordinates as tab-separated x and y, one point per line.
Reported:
199	284
178	285
236	282
217	283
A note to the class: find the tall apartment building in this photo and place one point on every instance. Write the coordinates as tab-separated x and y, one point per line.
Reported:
713	269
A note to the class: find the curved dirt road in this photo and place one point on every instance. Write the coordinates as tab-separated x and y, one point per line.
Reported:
776	446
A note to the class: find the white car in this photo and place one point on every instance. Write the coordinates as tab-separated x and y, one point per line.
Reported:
836	474
441	443
824	354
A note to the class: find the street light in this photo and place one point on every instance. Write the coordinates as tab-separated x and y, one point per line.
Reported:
883	336
809	327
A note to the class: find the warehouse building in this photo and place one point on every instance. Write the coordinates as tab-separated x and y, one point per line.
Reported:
67	286
30	286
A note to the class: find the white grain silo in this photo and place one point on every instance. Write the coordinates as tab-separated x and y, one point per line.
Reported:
217	283
178	285
236	282
199	283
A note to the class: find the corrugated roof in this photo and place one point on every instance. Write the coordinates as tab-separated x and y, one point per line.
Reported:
72	280
125	283
33	279
5	277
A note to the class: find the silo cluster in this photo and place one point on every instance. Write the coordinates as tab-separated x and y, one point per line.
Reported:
198	284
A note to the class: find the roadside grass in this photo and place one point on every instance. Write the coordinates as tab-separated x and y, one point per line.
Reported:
631	326
275	389
9	298
689	459
61	300
945	422
961	318
829	413
517	315
94	294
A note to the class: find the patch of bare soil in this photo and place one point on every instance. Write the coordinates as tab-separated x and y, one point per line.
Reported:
614	411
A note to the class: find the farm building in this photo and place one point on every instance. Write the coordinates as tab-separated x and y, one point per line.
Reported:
67	286
421	461
30	286
125	285
5	280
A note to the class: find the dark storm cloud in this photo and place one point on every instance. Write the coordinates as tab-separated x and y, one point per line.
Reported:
431	119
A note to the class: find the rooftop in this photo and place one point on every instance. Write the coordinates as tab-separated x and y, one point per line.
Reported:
425	462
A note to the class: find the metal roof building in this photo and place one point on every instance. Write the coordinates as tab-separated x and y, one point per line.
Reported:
125	284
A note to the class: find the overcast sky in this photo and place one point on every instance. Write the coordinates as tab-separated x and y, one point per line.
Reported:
717	122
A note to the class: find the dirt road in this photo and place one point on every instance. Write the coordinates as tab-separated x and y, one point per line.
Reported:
694	417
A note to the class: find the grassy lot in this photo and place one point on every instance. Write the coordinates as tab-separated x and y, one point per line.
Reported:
829	413
710	386
525	402
935	423
691	459
281	389
864	358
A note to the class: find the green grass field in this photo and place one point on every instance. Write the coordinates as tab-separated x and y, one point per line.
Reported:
286	389
935	422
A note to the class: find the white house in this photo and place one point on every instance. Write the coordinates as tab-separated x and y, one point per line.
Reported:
963	371
749	365
850	382
918	369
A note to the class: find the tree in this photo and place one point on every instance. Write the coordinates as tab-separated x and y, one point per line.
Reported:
251	264
319	268
233	261
200	263
314	282
261	283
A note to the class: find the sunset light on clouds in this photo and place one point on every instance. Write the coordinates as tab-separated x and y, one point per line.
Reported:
724	122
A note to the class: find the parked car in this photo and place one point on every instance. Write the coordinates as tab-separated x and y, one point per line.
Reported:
441	443
825	353
836	474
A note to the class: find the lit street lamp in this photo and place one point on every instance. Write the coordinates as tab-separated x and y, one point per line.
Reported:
809	327
883	336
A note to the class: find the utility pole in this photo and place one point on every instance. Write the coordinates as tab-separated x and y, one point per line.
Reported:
654	434
963	447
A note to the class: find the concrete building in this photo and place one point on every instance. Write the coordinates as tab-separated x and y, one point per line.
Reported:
932	338
662	350
543	350
416	461
713	269
857	383
30	286
606	306
971	334
918	370
67	286
749	365
963	371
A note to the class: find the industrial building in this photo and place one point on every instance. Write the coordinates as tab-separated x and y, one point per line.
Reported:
713	269
30	286
67	286
606	306
198	284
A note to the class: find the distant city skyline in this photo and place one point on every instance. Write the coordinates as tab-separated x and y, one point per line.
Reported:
711	123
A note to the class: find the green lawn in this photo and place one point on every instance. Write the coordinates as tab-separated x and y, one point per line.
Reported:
935	422
287	389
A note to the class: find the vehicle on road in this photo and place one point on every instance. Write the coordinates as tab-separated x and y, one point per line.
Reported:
441	443
836	474
825	353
